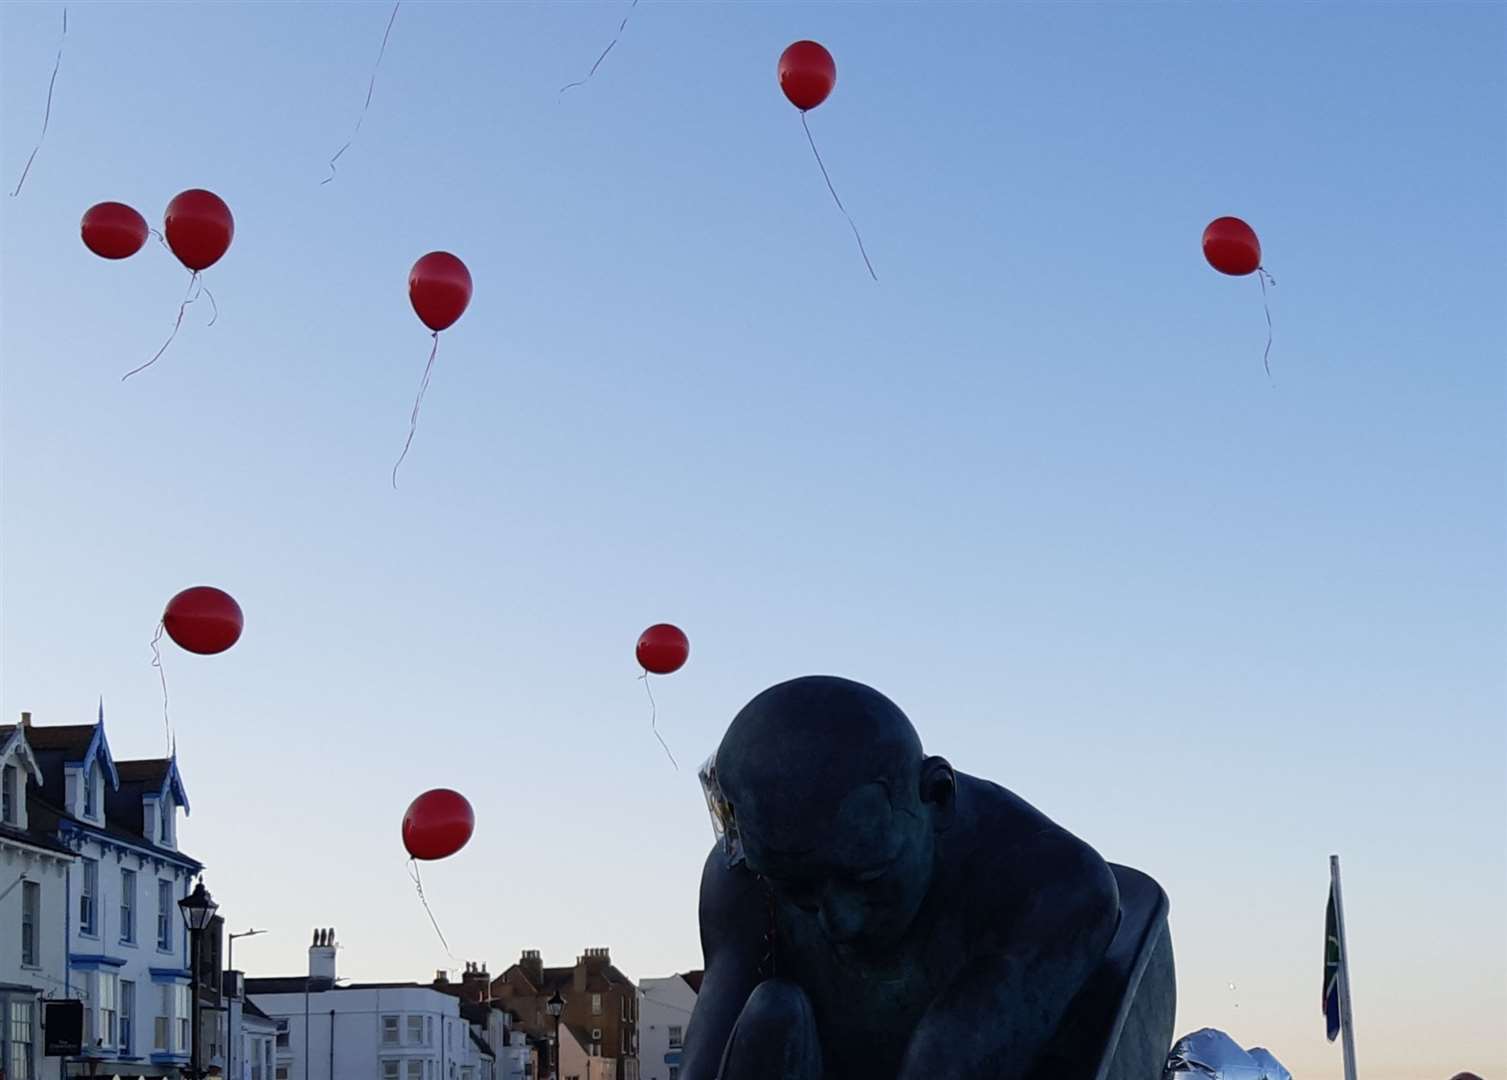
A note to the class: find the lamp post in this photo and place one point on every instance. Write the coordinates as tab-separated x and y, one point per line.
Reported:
198	909
556	1005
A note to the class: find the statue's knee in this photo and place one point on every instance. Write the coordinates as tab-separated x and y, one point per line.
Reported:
775	1036
777	1007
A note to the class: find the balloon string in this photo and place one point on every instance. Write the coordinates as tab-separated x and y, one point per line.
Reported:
188	298
413	421
1264	277
46	113
835	199
621	26
654	719
167	726
371	86
413	872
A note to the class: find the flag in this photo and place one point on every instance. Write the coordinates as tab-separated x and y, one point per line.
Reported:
1331	970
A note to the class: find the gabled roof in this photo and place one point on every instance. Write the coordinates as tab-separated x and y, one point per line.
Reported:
138	779
13	736
61	745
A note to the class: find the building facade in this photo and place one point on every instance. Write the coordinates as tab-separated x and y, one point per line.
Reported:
664	1012
601	1005
35	869
383	1031
114	921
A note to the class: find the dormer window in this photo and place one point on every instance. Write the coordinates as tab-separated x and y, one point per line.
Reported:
164	823
90	799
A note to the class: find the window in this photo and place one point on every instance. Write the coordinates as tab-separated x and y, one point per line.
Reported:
676	1032
390	1033
162	1025
86	897
31	921
127	1016
185	1025
21	1024
164	823
415	1029
9	811
415	1069
428	1031
596	1004
127	905
165	915
390	1070
674	1072
107	1014
596	1034
282	1072
89	810
282	1035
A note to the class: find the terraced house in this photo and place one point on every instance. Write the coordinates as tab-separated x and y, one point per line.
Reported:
121	934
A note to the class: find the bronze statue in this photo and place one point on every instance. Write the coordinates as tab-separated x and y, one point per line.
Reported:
871	914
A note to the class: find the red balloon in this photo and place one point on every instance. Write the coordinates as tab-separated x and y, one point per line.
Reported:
807	74
1231	247
663	649
438	824
113	230
199	228
203	620
439	287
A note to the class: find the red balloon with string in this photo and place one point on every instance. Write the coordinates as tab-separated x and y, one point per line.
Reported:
439	288
203	620
1232	247
807	75
198	227
113	230
663	649
437	824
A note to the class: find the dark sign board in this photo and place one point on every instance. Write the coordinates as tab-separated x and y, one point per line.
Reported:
63	1028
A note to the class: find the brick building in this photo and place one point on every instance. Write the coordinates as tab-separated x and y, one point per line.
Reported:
601	1005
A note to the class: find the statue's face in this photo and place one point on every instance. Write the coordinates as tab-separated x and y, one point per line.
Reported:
863	874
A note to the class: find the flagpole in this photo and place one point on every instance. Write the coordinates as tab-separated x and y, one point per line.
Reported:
1347	1022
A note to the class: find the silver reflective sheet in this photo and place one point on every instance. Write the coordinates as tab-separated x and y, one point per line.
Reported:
1274	1069
1209	1054
724	825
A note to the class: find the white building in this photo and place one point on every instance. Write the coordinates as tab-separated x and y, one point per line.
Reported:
664	1011
34	874
385	1031
122	938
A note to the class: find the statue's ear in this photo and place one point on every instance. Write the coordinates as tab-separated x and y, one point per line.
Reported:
939	791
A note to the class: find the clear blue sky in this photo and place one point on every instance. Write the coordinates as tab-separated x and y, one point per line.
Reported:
1033	484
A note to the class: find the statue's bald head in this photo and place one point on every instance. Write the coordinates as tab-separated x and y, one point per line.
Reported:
834	804
798	749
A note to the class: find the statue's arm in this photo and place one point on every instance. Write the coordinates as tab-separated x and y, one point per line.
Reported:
733	917
997	1016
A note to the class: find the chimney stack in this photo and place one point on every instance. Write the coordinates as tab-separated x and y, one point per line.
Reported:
322	956
532	966
26	719
476	984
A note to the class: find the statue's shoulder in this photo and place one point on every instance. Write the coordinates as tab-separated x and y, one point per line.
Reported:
1009	855
732	905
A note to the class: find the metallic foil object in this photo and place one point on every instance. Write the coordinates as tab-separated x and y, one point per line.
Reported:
724	824
1212	1055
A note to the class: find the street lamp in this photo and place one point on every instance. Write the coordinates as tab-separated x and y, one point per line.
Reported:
198	909
230	953
556	1005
